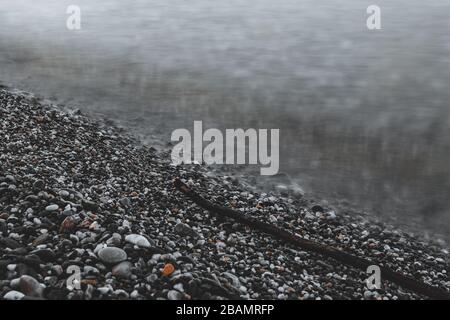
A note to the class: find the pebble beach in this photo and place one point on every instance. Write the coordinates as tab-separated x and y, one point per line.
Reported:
80	193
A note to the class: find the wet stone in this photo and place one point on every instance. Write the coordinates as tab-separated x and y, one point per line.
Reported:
138	240
52	207
122	270
30	286
112	255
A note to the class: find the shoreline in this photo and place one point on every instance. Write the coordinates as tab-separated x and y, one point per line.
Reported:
70	186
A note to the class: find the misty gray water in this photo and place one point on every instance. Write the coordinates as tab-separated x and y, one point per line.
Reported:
364	115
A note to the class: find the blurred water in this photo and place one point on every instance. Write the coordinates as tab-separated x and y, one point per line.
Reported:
364	115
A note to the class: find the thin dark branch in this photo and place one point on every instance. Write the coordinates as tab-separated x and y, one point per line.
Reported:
402	280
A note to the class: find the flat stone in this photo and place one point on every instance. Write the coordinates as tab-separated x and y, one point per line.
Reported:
13	295
175	295
234	279
185	230
52	207
64	193
112	255
41	239
30	286
115	239
89	205
122	270
10	243
38	185
46	255
138	240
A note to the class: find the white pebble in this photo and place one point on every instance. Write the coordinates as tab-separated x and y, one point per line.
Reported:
13	295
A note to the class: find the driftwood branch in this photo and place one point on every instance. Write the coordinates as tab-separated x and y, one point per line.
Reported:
402	280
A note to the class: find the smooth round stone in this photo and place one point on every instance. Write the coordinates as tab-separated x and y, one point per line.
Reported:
52	207
11	267
38	185
104	290
138	240
368	295
115	239
10	178
122	270
234	280
99	247
3	227
13	295
15	283
175	295
112	255
64	193
179	287
185	230
46	255
30	286
134	294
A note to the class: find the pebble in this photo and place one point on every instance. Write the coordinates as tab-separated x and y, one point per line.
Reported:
64	193
38	185
30	286
11	267
3	228
10	178
138	240
13	295
317	208
99	247
122	270
175	295
10	243
331	215
125	202
234	280
89	205
112	255
179	287
52	207
46	255
368	295
105	290
185	230
115	240
134	294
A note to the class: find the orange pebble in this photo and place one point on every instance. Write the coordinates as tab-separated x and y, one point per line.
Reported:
168	269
